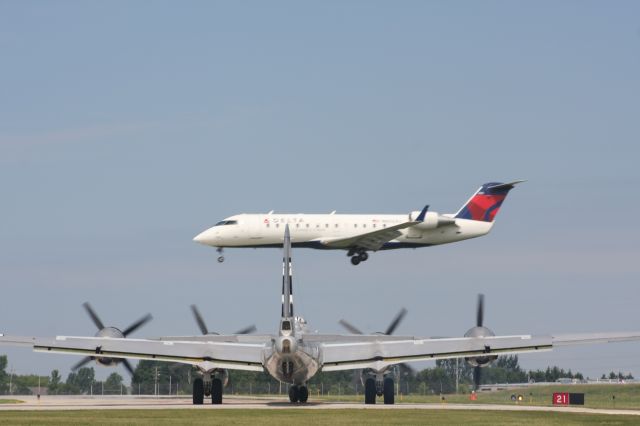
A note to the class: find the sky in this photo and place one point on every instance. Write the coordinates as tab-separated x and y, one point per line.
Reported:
126	128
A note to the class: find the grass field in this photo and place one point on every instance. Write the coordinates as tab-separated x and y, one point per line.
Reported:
596	396
10	401
293	416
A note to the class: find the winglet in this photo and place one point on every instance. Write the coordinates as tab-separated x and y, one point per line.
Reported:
422	214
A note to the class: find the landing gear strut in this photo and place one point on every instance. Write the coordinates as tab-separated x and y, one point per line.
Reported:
357	256
220	257
298	394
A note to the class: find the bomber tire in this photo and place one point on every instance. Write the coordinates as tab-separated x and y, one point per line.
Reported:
198	391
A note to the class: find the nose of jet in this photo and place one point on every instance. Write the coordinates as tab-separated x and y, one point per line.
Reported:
205	237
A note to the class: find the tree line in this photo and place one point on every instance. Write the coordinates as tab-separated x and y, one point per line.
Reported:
163	378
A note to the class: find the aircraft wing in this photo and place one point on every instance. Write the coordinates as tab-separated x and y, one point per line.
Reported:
238	356
373	240
383	352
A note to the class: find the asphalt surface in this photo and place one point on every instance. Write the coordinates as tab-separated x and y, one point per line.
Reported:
237	402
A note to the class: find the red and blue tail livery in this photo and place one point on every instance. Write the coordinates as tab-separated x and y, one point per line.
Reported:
486	202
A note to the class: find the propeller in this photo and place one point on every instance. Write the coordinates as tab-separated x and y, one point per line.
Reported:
389	331
479	331
480	310
203	326
110	332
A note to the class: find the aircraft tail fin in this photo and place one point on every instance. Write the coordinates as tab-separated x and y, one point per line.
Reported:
287	278
486	202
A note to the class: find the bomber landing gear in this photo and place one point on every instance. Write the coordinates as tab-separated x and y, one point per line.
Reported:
370	391
216	391
384	389
198	391
211	387
388	391
220	257
357	256
298	394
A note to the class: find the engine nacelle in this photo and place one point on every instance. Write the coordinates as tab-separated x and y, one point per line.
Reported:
286	345
480	361
431	220
113	333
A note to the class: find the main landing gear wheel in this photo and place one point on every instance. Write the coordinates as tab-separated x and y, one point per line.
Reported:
303	394
198	391
358	256
389	392
370	391
294	394
298	394
216	391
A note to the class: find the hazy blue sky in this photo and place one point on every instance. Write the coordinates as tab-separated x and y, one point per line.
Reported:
128	127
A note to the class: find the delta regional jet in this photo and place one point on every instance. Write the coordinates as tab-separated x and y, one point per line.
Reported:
294	353
361	233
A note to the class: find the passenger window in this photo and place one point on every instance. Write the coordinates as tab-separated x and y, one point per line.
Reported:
355	225
307	225
326	225
364	226
336	225
277	225
297	225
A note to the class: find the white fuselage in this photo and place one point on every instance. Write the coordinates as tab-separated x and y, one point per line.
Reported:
265	230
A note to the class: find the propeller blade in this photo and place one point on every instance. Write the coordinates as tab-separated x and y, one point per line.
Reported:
199	320
480	312
246	330
396	321
83	361
93	315
133	327
350	327
127	366
476	377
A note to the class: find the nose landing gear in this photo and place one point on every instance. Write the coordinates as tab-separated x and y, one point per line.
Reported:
220	257
357	256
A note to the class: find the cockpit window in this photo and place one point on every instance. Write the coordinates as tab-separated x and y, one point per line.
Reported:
226	222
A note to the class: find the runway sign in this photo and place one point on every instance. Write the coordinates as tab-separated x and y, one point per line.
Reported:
566	398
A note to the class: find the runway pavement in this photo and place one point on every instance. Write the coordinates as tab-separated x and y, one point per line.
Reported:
238	402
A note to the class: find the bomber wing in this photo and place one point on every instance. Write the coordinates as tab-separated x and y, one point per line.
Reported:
238	356
386	351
